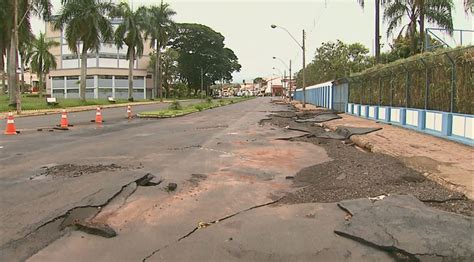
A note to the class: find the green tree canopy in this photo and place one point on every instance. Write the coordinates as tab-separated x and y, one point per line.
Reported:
437	12
335	60
130	32
85	21
41	59
159	30
200	47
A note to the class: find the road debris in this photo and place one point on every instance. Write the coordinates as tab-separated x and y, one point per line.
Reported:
353	174
102	230
171	187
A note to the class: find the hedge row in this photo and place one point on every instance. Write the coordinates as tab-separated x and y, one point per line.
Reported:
423	81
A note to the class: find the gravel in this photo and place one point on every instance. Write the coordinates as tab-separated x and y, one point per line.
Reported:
354	173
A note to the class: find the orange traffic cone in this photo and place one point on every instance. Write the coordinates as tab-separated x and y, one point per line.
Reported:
11	129
129	112
98	116
64	123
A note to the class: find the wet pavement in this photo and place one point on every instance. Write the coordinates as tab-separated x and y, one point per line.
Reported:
233	175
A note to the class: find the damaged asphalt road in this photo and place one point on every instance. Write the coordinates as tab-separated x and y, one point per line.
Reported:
80	217
210	186
408	229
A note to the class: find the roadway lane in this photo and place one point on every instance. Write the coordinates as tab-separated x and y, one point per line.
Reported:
110	115
223	162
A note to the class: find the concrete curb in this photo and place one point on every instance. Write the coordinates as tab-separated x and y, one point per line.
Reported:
41	112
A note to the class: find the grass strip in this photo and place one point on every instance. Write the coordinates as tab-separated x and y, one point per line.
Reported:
29	102
175	109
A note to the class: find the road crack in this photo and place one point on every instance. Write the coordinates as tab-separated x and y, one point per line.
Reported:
47	232
207	224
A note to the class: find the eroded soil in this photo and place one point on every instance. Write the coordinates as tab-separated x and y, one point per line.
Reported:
355	173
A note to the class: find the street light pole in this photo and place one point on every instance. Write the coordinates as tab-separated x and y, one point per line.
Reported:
290	83
303	47
304	69
202	81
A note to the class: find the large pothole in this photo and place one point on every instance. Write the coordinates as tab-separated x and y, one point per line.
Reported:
72	170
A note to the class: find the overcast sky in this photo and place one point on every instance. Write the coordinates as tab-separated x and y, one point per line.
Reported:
246	26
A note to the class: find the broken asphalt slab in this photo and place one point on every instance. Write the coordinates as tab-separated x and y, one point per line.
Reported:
404	226
302	232
319	118
345	132
63	207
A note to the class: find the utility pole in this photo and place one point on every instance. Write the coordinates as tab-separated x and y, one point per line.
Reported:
284	79
377	31
290	83
304	69
202	81
14	89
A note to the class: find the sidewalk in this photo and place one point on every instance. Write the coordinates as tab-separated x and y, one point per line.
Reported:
446	162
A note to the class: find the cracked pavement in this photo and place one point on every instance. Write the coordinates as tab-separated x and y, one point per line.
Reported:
231	175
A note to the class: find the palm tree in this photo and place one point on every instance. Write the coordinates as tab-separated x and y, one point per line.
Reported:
377	26
3	42
130	32
41	60
469	6
438	12
86	24
160	27
16	27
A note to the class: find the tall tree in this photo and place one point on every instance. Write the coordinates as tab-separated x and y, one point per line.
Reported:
130	32
160	27
16	25
336	60
86	25
437	12
41	59
169	67
202	49
377	26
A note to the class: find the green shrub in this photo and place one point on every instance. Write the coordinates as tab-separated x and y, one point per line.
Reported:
209	100
199	107
175	105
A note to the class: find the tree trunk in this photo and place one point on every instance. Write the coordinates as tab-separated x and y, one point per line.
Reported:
158	70
130	74
12	69
40	84
82	87
22	81
2	70
422	24
413	23
377	31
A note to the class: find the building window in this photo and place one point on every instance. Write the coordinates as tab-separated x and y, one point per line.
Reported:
138	81
121	81
72	82
105	81
58	82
